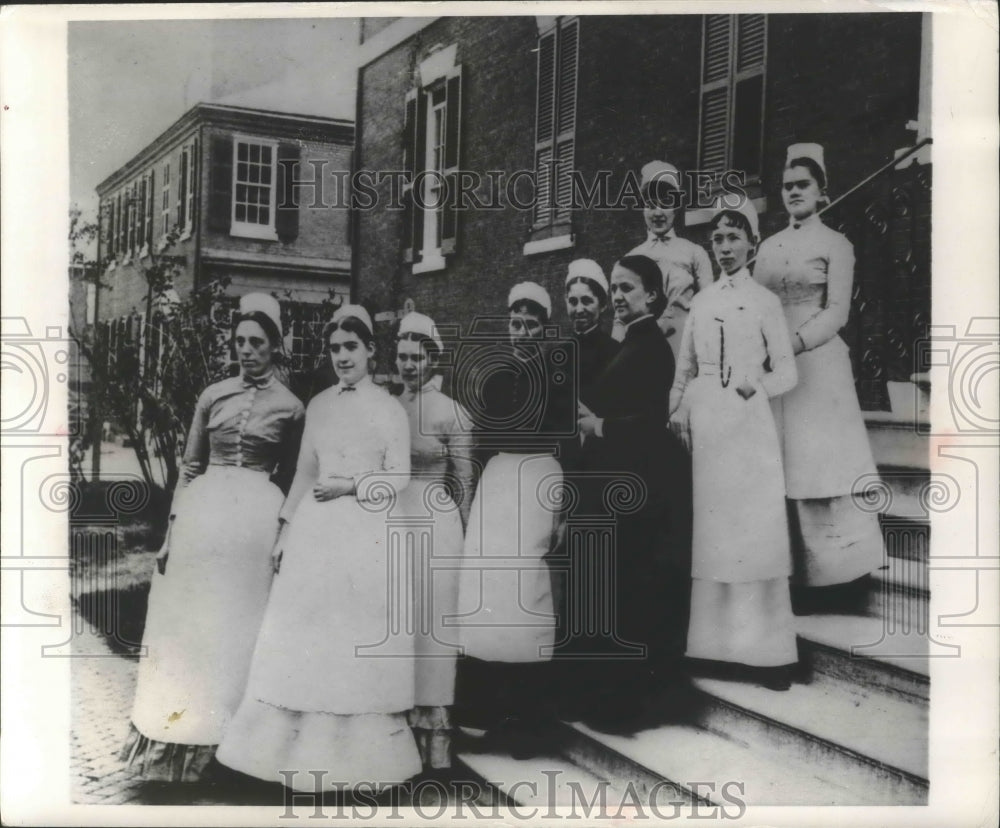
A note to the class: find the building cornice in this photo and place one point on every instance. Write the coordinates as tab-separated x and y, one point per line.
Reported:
276	124
301	264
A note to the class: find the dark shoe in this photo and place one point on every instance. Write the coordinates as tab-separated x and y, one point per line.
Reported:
774	678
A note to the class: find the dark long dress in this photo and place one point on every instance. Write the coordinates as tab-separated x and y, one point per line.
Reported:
647	489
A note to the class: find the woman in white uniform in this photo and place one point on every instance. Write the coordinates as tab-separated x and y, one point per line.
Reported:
810	268
740	601
523	407
432	512
214	572
331	681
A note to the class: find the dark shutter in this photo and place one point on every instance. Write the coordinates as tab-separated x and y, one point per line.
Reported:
286	219
220	196
194	160
545	108
182	182
415	137
107	228
150	197
568	56
409	167
452	154
713	141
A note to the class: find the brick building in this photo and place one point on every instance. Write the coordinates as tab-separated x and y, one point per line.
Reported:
217	192
536	98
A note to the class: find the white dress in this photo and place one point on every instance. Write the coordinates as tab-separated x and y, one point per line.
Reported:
206	608
810	267
430	523
332	676
740	604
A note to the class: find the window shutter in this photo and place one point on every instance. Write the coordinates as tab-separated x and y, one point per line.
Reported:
751	38
417	139
107	229
220	196
545	105
150	194
409	167
182	176
714	122
569	37
194	168
452	155
119	246
286	219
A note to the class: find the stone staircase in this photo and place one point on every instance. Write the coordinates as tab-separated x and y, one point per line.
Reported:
855	734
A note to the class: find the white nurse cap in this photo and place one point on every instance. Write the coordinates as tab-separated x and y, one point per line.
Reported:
812	151
531	291
262	303
419	323
587	269
357	311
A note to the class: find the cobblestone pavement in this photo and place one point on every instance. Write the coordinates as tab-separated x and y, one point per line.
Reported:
102	685
102	688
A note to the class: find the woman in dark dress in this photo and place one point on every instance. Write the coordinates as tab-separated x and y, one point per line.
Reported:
625	432
577	572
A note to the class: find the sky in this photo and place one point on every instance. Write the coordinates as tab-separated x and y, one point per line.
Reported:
130	80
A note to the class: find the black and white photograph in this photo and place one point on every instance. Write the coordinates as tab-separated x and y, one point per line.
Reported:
464	413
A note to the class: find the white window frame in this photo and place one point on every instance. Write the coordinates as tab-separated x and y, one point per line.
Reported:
432	258
253	230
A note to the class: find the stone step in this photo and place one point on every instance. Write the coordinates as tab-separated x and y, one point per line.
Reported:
905	537
901	591
836	728
540	781
898	443
707	766
868	651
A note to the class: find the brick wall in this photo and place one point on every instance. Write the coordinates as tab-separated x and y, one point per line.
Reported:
847	81
323	230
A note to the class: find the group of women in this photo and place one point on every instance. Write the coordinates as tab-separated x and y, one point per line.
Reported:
436	563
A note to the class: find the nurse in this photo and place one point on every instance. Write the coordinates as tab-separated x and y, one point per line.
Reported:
214	573
624	430
810	268
432	511
524	410
685	265
740	602
329	688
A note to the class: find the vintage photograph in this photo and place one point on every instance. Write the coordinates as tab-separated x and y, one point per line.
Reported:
479	415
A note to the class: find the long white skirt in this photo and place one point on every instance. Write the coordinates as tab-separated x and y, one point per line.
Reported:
332	674
746	623
204	614
505	590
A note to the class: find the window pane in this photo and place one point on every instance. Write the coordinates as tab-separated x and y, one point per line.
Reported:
264	216
255	152
241	172
265	155
241	212
254	174
252	215
265	175
241	192
241	152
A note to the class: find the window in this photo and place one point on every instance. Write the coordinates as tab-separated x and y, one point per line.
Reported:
186	189
432	130
555	127
252	189
734	56
121	223
306	330
165	201
133	196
